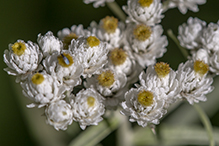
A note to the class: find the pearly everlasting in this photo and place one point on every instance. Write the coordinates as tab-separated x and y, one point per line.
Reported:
184	5
59	114
64	68
49	43
144	12
108	30
22	59
143	106
91	53
42	89
146	43
66	34
98	3
88	107
190	33
195	83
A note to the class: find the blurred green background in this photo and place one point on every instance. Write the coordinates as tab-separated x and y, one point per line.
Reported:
25	19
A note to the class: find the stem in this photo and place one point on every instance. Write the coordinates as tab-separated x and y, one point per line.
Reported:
114	7
206	122
173	37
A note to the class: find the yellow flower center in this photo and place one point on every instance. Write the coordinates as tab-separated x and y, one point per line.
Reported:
142	32
67	39
200	67
106	78
37	78
145	3
162	69
118	56
91	101
18	48
65	60
92	41
110	24
145	98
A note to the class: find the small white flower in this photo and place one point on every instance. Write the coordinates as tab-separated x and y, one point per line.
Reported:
49	43
42	89
91	53
144	12
143	105
162	79
210	38
201	54
98	3
88	107
184	5
190	33
22	59
59	114
65	68
107	82
108	30
146	43
195	83
66	34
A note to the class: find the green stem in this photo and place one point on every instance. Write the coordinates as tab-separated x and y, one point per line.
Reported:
173	37
115	8
206	122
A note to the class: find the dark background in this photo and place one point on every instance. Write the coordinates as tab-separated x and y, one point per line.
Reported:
25	19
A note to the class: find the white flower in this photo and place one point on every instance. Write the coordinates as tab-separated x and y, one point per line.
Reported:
59	114
184	5
210	38
88	107
42	89
49	43
107	83
162	79
121	60
143	105
66	34
91	53
65	68
146	43
22	59
98	3
195	83
201	54
144	12
190	33
108	30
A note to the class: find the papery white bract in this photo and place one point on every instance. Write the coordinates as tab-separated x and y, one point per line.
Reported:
98	3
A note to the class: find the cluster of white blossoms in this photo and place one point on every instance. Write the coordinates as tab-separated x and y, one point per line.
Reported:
202	40
80	74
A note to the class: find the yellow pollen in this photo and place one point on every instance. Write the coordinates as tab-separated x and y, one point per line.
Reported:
118	56
106	78
142	32
145	98
145	3
18	48
91	101
110	24
37	78
162	69
92	41
200	67
67	39
65	60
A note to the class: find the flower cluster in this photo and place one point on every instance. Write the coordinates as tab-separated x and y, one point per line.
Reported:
81	73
